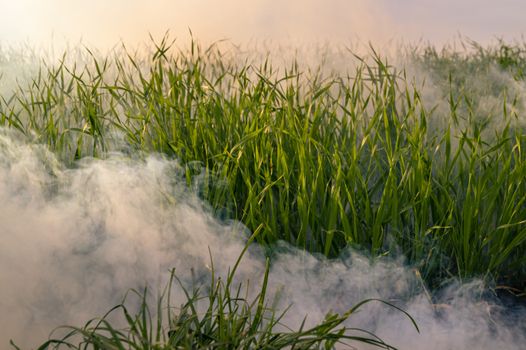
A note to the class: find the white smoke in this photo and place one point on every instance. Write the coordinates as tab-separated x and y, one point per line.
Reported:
75	240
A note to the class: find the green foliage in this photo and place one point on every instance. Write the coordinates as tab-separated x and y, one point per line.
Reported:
229	320
321	161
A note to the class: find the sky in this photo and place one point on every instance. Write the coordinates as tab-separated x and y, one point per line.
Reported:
104	23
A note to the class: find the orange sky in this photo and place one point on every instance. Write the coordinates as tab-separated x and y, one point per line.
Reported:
103	23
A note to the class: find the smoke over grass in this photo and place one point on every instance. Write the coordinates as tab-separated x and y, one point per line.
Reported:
362	179
75	239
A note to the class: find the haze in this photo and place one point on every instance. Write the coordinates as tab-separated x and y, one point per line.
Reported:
104	23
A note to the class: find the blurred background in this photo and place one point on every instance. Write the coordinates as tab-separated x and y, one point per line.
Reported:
103	23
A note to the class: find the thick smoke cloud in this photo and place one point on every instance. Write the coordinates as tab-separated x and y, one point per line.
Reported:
74	240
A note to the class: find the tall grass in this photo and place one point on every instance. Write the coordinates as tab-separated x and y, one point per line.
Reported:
323	161
222	317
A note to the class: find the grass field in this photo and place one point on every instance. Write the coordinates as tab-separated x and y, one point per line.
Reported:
369	156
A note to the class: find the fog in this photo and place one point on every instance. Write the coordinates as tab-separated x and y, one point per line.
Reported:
104	23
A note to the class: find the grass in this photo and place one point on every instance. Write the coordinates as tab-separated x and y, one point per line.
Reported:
229	320
321	160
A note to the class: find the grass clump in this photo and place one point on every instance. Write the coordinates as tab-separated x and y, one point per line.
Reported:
220	318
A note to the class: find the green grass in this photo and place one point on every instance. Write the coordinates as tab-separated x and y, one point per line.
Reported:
222	317
323	161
